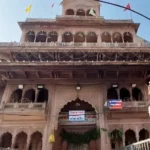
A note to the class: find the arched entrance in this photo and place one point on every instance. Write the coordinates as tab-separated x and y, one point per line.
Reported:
77	126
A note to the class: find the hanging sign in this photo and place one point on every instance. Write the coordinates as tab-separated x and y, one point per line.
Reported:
77	115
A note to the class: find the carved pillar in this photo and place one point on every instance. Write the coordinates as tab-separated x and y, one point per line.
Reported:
59	40
137	133
102	125
13	140
35	38
28	140
111	38
36	95
99	40
122	38
123	139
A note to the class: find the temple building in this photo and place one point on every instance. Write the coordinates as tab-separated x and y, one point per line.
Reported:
76	82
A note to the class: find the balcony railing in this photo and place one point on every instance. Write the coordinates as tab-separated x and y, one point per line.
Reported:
75	45
2	148
142	145
24	105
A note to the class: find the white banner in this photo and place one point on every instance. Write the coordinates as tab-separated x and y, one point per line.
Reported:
76	112
77	118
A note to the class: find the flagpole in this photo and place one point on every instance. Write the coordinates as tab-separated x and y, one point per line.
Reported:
124	8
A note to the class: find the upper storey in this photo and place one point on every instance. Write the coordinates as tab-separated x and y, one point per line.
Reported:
81	7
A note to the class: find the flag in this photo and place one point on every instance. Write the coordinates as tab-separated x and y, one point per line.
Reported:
28	9
115	104
91	12
52	5
127	7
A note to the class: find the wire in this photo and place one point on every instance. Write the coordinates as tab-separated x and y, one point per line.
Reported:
124	8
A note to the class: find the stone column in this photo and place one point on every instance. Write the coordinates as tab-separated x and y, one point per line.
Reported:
13	140
28	140
123	139
35	37
99	40
51	120
137	133
59	38
122	38
36	95
102	125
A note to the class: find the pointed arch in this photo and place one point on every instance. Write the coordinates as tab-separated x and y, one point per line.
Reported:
36	141
112	93
124	94
21	141
128	38
88	12
80	12
30	36
79	37
69	12
41	36
78	105
130	137
67	37
137	95
16	96
52	36
106	37
143	134
91	37
30	95
117	37
42	95
6	140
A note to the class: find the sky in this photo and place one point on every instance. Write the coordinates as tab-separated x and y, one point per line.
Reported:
12	11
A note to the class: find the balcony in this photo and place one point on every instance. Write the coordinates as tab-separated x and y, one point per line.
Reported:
22	111
74	45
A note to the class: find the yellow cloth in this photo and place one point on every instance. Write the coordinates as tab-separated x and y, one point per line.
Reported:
51	138
28	9
92	12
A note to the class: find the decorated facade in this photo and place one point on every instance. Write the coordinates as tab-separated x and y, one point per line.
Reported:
77	82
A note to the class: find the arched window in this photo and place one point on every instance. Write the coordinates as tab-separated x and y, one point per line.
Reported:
112	94
143	134
128	37
6	140
124	94
36	141
30	95
79	37
52	36
106	37
42	96
67	37
137	94
91	38
130	137
69	12
117	37
41	37
30	36
16	96
21	140
88	13
80	12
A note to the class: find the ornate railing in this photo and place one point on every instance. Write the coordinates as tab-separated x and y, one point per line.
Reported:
23	105
142	145
2	148
86	45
